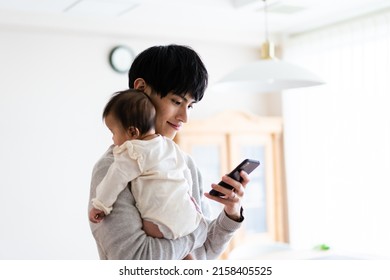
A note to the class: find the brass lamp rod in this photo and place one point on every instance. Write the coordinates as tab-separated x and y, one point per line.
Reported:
267	48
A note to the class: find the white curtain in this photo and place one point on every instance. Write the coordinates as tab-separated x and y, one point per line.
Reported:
337	138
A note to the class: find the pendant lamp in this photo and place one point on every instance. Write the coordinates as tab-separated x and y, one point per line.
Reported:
268	74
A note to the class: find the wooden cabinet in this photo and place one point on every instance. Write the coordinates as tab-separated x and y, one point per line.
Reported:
218	144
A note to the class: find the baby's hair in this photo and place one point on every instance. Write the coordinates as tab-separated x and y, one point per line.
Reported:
132	108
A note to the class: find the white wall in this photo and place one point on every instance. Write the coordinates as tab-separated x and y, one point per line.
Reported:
54	84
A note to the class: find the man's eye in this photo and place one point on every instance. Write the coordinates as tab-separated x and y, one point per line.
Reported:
176	102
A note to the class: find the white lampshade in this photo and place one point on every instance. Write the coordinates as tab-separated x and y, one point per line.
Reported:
268	75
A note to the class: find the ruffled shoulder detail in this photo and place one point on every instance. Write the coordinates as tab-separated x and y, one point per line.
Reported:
120	149
130	150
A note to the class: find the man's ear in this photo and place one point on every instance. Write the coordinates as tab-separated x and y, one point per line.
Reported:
133	132
140	84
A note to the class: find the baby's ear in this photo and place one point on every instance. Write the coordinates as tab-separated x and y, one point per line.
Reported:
133	132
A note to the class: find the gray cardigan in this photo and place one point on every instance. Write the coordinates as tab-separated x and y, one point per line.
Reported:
120	235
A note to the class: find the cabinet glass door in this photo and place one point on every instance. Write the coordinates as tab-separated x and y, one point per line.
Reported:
210	156
259	192
255	195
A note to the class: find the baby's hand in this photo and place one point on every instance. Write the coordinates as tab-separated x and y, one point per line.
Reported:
96	215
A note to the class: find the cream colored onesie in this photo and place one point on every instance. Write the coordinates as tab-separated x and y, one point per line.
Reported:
160	182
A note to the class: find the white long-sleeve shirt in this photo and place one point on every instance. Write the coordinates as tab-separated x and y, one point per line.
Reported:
160	182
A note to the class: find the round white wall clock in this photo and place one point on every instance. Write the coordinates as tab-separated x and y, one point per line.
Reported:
121	58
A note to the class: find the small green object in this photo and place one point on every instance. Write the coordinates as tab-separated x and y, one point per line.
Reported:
322	247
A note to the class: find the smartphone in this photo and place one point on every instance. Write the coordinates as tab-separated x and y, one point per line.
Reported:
248	165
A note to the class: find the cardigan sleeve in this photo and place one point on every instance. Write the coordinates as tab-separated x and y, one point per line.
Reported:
220	230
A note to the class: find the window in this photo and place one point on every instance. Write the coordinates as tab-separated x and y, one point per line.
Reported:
337	138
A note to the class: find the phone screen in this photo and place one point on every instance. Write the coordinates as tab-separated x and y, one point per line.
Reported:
248	165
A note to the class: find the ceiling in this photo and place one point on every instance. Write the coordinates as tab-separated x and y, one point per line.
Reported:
240	21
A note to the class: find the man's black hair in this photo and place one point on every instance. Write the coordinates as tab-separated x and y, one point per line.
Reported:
172	68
